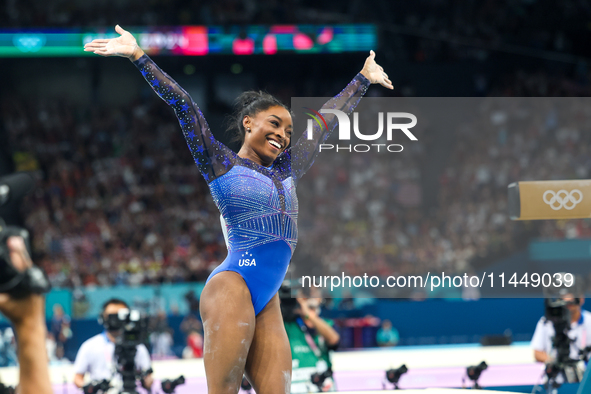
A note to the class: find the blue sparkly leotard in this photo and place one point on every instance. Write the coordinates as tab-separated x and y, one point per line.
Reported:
258	204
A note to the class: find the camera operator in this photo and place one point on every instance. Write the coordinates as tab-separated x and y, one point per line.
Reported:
563	309
311	339
97	355
27	315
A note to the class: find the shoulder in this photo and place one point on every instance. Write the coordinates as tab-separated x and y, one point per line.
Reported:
284	159
92	345
543	325
586	318
543	321
97	340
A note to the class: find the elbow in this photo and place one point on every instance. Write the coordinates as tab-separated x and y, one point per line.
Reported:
334	340
337	338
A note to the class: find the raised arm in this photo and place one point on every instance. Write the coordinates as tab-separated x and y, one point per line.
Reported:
27	315
211	156
305	150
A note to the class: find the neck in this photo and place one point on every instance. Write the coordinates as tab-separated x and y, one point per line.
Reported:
247	153
111	337
575	316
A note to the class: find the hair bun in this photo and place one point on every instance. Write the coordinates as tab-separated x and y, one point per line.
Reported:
250	103
247	98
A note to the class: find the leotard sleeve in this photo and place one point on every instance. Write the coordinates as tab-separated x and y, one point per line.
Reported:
301	156
211	156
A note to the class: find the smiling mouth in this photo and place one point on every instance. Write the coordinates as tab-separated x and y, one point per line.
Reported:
275	144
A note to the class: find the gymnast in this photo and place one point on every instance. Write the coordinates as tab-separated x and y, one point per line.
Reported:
254	190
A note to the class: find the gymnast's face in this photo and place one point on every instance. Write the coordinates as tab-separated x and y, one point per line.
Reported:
269	135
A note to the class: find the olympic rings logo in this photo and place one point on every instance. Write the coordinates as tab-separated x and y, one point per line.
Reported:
563	199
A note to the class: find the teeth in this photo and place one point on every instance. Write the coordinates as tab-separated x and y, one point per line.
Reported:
275	144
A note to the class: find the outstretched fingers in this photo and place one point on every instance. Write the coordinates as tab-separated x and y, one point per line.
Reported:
92	46
103	52
100	40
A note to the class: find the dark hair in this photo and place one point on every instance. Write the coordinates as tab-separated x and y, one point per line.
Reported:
250	103
116	301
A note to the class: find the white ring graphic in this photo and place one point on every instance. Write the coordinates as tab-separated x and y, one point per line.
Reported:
562	199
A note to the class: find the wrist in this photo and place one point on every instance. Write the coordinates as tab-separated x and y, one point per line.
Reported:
30	313
30	328
137	53
365	74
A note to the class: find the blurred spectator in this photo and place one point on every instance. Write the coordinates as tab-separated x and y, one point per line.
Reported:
50	346
194	348
387	335
60	357
191	323
312	340
161	337
60	327
8	356
193	330
80	304
193	302
55	352
162	342
347	303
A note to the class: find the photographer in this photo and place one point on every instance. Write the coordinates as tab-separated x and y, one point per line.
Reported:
27	315
97	355
563	309
311	339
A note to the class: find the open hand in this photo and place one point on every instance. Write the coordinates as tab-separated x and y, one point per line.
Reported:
374	72
124	46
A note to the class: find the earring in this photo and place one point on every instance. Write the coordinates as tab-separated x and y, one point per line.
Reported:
248	129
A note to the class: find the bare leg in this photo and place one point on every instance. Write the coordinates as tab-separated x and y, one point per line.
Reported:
228	326
268	367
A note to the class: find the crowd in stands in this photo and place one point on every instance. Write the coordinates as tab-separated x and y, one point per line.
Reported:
117	205
114	204
542	139
366	226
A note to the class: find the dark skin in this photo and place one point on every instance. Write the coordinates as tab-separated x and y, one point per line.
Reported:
269	371
273	124
235	340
